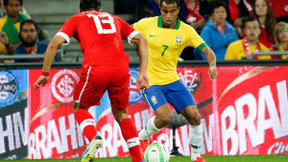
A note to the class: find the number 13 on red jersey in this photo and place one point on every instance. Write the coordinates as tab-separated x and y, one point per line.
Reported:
104	19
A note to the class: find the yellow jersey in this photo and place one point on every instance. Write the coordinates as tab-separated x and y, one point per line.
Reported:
235	51
165	47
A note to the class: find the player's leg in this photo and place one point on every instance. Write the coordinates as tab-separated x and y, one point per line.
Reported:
163	116
195	131
87	94
129	133
87	126
156	99
183	102
119	95
85	120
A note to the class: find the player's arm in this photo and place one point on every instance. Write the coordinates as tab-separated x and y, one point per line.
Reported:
50	53
141	42
211	59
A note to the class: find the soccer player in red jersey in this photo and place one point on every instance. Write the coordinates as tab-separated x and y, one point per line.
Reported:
105	67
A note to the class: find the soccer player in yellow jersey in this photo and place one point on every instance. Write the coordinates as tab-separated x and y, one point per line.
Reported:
167	36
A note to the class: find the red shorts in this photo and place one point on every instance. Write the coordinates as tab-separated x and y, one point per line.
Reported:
95	80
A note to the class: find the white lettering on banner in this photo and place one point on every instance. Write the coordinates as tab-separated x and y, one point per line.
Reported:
137	120
229	133
208	134
40	132
68	132
44	140
19	129
283	102
244	124
106	134
52	133
112	140
144	116
31	146
8	133
80	134
266	100
185	135
255	130
278	148
19	125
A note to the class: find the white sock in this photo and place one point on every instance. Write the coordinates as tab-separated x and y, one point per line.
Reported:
195	140
148	130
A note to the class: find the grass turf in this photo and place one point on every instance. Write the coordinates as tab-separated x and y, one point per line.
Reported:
246	158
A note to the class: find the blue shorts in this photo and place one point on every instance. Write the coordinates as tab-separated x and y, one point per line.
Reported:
174	93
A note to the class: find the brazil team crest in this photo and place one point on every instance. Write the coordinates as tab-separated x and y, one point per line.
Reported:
178	39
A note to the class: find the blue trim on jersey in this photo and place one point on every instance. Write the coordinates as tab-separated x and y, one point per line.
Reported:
174	93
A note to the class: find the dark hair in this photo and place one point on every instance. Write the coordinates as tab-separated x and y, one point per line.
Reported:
28	22
270	21
88	4
217	4
7	1
170	2
249	19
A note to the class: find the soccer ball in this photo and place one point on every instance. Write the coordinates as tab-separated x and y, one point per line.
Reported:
156	152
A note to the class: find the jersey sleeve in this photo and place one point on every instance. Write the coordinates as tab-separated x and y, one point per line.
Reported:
67	30
195	40
140	25
127	32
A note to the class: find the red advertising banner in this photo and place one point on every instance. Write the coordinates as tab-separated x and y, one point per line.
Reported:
244	112
253	110
53	129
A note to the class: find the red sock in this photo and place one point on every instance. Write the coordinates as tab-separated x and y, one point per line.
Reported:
86	122
130	135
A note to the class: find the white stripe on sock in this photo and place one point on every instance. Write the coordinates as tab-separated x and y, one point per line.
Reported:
87	122
133	142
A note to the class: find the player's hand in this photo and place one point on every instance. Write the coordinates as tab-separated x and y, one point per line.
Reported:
142	81
42	80
212	72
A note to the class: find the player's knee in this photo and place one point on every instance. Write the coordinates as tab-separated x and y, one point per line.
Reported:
165	119
119	115
76	106
196	120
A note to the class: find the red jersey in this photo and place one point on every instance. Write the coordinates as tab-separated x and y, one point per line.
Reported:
100	36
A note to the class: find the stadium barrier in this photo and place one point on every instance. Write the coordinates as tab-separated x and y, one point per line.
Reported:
258	53
58	57
244	111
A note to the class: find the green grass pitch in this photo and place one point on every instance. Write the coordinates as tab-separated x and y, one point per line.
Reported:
246	158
